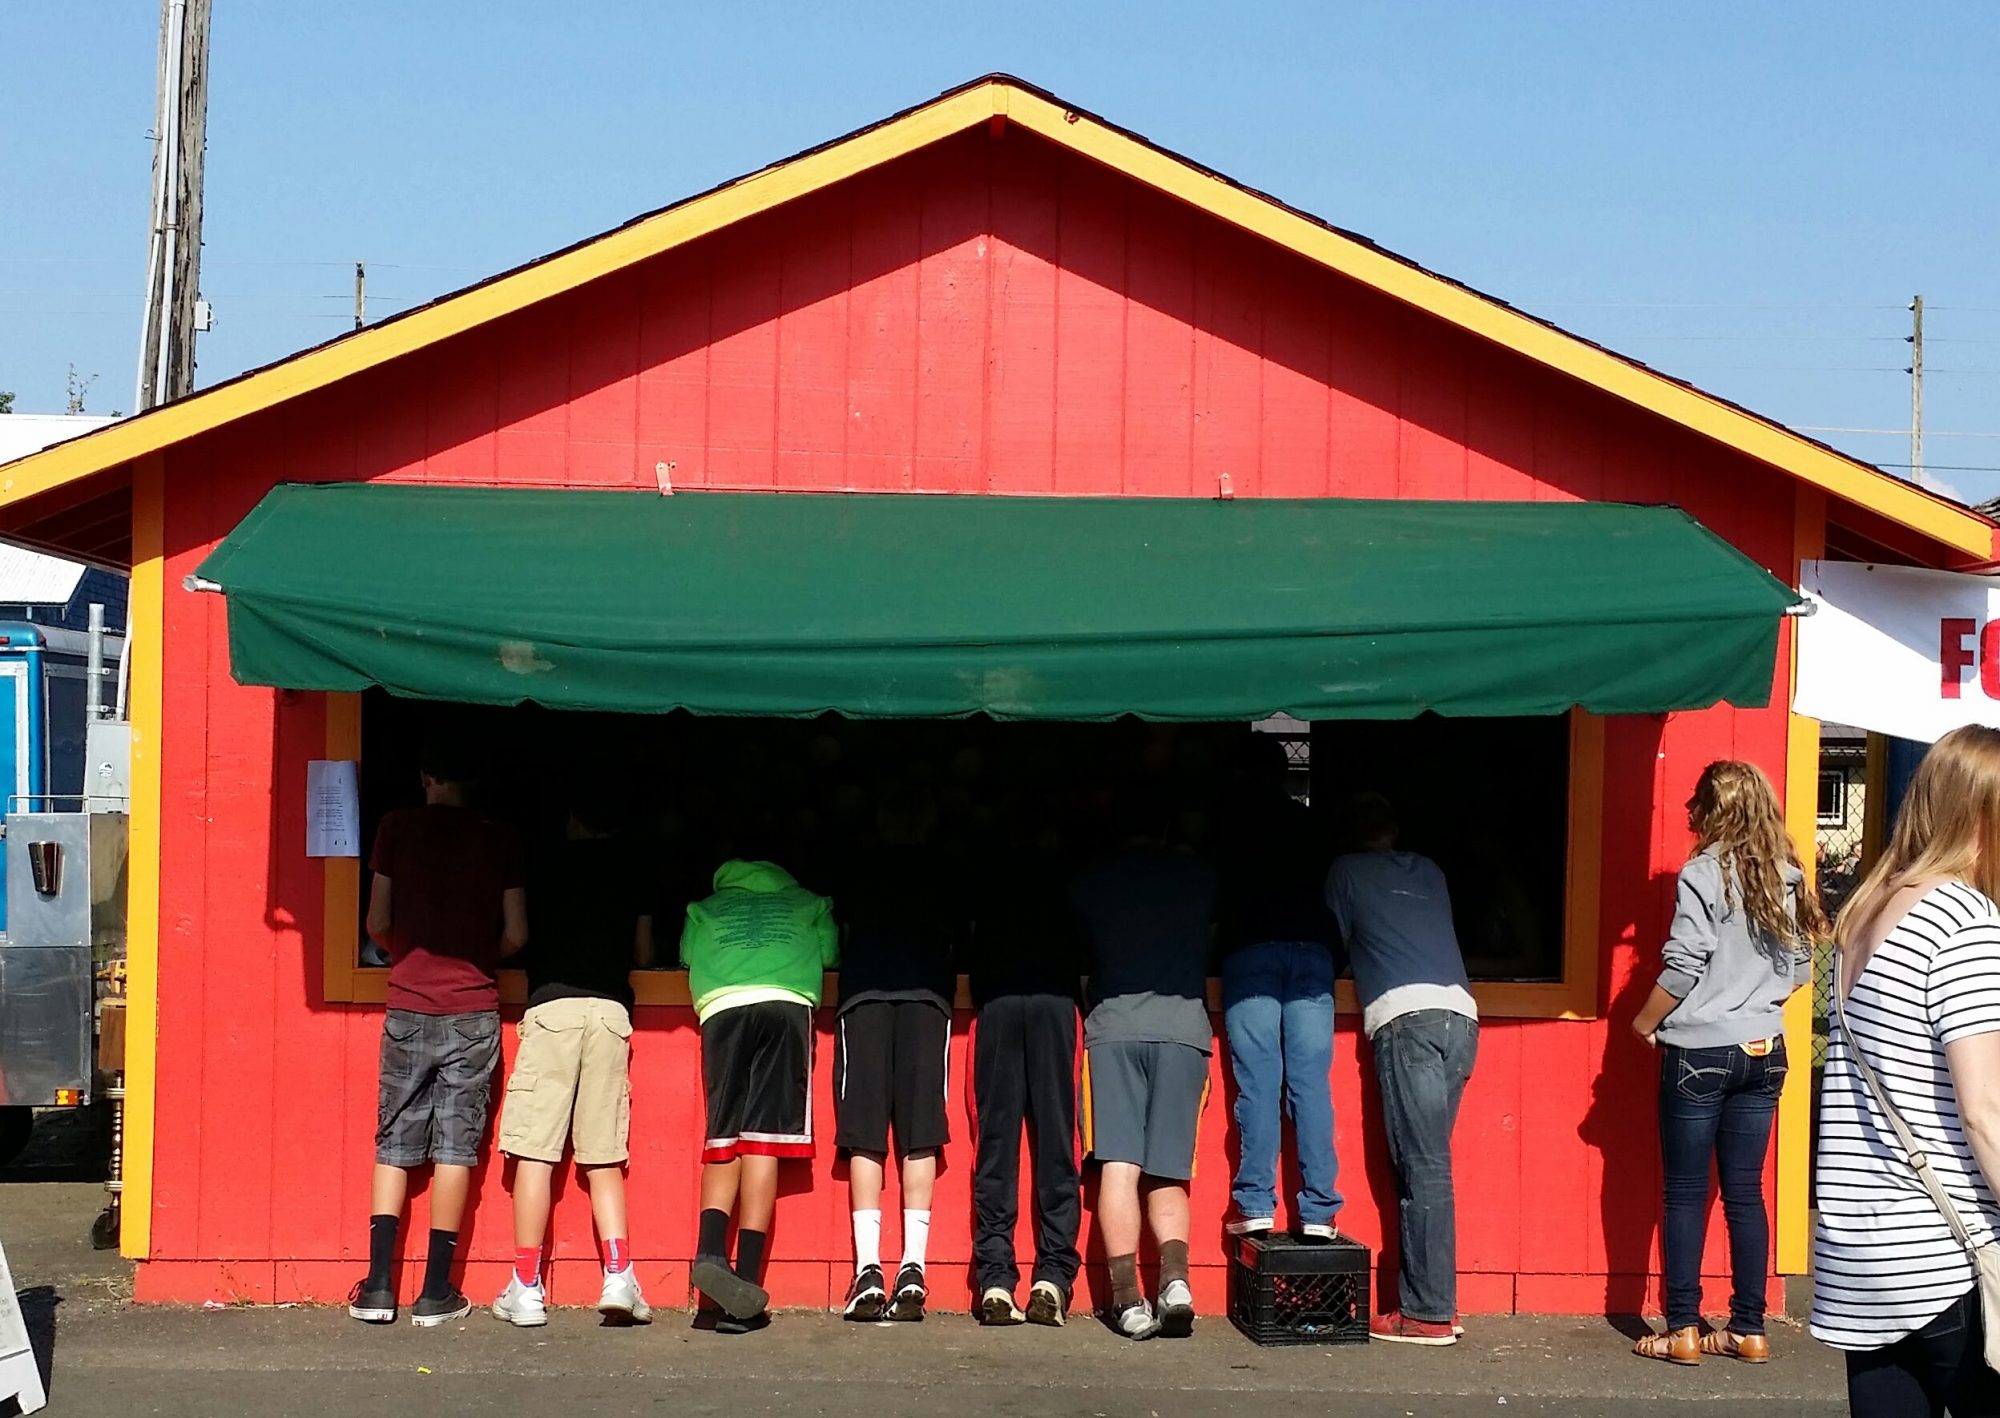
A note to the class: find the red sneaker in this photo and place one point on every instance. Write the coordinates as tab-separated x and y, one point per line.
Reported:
1398	1328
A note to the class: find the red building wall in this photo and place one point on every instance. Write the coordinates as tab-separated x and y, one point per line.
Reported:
992	316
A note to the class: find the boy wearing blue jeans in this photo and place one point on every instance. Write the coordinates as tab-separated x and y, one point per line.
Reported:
1277	999
1394	912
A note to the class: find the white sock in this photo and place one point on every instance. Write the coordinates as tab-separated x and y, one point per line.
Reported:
916	1236
867	1238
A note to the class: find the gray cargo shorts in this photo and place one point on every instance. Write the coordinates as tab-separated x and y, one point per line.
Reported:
437	1079
1142	1103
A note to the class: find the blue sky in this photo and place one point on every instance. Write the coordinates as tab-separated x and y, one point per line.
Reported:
1742	194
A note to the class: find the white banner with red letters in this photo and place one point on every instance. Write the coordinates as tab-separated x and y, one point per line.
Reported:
1897	650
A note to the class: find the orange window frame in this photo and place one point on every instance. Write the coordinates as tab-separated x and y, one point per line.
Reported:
1574	996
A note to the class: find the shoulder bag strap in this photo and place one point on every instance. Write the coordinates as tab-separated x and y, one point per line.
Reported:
1912	1151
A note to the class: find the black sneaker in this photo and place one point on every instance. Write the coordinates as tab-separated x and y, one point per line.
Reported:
736	1297
867	1298
910	1294
724	1324
370	1305
440	1309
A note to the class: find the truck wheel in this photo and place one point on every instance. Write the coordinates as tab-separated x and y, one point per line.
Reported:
16	1125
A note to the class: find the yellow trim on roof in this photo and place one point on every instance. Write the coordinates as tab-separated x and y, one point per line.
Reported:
1957	528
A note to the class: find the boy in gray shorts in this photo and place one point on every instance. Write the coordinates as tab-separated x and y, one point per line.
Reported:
448	901
1147	917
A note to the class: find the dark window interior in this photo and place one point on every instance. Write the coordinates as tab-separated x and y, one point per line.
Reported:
1486	798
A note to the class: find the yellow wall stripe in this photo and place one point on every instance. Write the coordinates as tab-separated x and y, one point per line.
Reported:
142	909
1794	1229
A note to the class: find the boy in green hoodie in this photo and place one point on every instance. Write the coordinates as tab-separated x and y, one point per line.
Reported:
755	952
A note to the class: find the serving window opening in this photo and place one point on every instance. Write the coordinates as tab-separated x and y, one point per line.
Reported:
1490	800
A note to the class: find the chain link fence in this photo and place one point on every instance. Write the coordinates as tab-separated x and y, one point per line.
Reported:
1843	813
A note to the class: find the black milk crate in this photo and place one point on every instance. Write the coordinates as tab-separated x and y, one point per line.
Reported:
1286	1291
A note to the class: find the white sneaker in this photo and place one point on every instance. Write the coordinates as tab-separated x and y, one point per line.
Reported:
523	1305
1047	1304
1176	1310
1321	1231
621	1301
1135	1321
997	1307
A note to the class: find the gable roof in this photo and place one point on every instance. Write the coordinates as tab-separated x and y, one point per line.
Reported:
999	99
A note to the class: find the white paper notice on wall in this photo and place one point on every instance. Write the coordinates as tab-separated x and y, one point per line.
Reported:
333	808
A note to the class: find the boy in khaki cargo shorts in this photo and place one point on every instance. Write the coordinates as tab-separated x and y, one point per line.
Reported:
571	1081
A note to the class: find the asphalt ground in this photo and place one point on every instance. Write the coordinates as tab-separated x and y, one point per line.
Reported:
104	1356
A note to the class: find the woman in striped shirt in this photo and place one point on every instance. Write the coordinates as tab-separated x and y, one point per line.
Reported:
1919	947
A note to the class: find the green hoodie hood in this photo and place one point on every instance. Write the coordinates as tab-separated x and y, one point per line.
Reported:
761	933
753	876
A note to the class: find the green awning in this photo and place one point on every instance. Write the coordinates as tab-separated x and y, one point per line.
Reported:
1022	608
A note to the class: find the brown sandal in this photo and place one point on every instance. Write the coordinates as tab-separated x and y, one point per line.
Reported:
1728	1344
1676	1346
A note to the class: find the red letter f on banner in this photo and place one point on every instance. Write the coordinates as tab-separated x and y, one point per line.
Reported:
1953	656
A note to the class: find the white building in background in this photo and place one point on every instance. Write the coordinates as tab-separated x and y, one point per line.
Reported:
49	590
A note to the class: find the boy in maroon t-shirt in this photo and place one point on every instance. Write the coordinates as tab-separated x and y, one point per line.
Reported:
448	903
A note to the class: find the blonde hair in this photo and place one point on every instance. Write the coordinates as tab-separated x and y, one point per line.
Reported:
1943	828
1736	815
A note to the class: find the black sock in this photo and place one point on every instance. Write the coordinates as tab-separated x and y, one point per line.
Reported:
750	1256
1125	1281
437	1268
381	1251
713	1243
1173	1262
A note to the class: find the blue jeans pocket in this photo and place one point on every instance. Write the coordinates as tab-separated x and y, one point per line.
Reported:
1699	1075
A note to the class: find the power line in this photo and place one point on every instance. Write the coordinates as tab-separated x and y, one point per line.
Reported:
1931	467
1896	432
1692	305
1802	339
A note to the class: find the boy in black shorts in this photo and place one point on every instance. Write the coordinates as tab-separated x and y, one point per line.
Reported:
755	953
892	1041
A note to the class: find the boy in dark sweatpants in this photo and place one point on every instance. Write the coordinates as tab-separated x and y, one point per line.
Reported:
1025	966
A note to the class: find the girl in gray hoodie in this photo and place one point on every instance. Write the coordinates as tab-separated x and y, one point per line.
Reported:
1741	943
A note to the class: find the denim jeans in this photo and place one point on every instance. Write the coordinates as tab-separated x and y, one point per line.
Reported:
1277	1009
1716	1105
1422	1062
1941	1367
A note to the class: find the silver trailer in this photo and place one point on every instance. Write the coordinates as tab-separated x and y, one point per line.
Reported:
66	925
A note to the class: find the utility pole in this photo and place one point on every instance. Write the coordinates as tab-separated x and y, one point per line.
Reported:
173	261
360	295
1917	390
